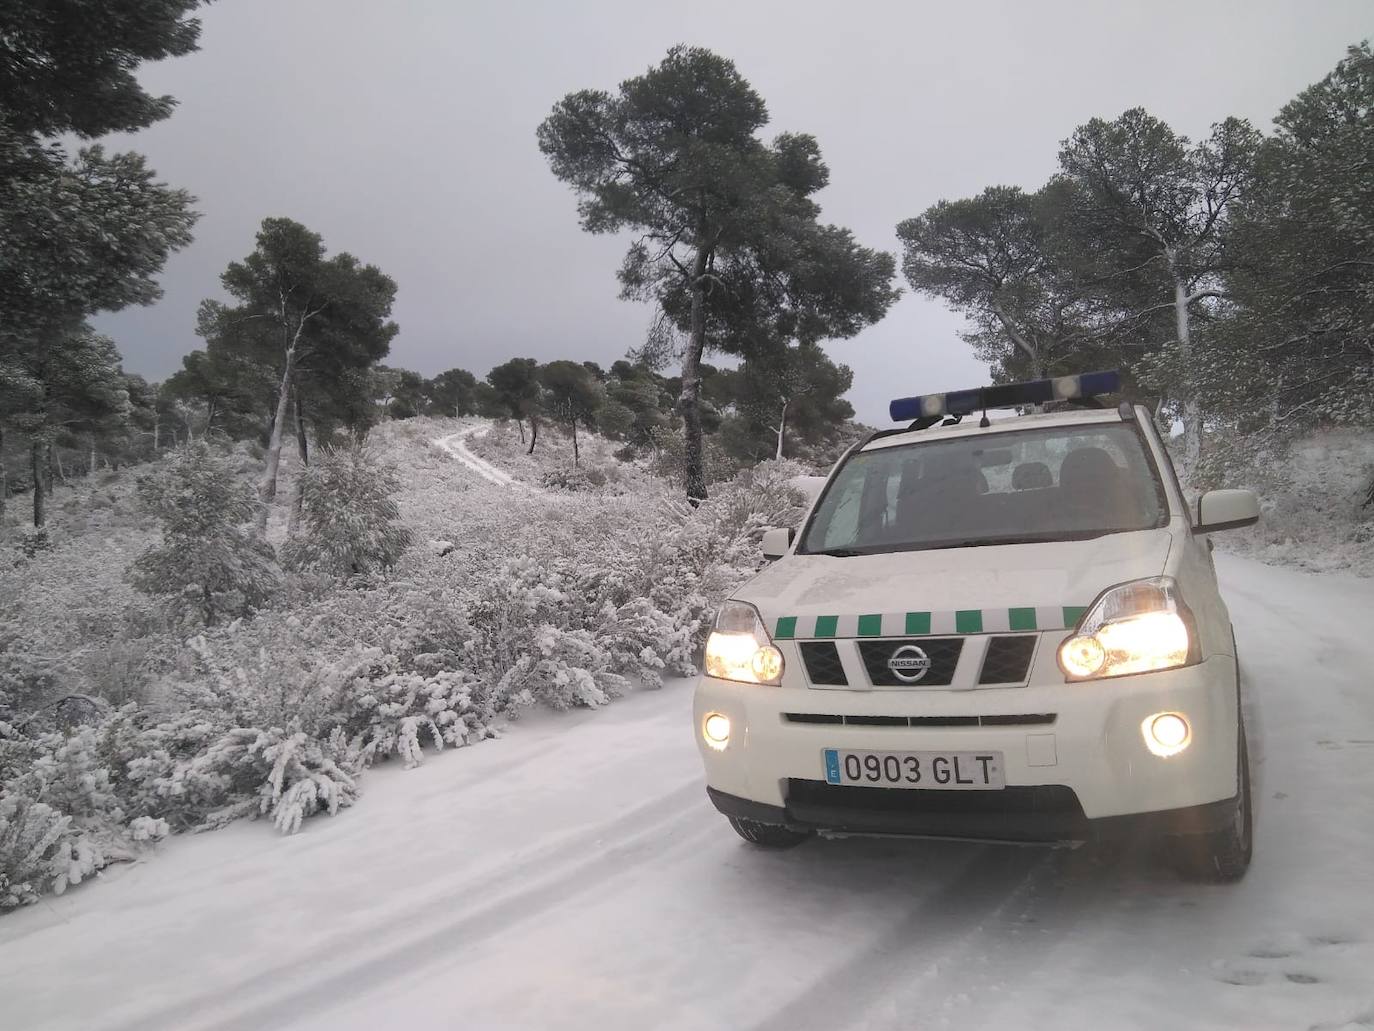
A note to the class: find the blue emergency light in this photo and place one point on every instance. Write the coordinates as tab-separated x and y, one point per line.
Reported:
1009	395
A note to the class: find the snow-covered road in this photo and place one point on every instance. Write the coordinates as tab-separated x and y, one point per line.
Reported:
456	445
573	875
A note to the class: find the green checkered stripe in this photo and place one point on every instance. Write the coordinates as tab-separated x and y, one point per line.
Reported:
929	624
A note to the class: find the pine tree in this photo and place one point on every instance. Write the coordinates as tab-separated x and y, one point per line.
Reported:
349	518
208	564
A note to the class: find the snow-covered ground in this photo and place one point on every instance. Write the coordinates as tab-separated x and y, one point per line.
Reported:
574	875
456	445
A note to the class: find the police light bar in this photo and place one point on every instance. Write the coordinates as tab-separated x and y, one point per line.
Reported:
1034	392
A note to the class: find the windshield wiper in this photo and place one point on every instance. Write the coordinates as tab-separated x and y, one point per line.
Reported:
838	552
988	542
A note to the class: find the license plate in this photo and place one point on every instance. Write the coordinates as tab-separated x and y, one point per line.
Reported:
951	771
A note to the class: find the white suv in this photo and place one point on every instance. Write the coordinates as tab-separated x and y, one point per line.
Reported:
1005	630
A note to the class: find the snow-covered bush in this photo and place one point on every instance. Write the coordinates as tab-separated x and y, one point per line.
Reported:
31	836
1312	492
208	564
573	480
33	540
558	598
62	611
62	816
349	516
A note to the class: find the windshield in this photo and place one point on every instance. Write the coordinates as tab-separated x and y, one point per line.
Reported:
1058	483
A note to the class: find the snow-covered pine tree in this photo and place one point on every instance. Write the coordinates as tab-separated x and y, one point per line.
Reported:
208	564
349	520
1298	353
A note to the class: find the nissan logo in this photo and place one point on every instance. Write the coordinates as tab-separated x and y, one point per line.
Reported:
909	663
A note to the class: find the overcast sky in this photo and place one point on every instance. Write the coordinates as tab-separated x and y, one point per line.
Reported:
404	133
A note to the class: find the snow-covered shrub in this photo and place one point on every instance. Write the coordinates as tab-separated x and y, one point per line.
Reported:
208	563
31	836
33	540
570	479
529	639
27	678
62	814
282	773
560	598
395	712
65	611
349	517
120	671
1312	492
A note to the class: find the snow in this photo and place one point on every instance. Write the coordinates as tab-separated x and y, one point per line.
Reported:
456	445
573	875
1313	504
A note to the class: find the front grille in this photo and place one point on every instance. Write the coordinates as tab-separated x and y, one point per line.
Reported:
823	665
1036	719
1030	719
876	721
1007	660
943	653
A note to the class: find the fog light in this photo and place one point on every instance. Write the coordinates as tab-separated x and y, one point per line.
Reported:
716	730
1166	733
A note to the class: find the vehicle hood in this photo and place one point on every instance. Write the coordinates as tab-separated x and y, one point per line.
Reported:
1060	574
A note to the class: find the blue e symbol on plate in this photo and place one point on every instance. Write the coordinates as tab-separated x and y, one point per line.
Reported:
832	766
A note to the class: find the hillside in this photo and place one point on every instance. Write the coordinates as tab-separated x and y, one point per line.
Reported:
506	599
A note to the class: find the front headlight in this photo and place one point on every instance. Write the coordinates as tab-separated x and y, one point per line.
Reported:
739	648
1136	627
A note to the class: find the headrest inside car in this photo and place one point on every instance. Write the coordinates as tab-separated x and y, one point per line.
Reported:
1031	476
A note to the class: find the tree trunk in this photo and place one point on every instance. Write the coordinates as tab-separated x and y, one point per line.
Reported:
576	457
782	425
298	494
1192	411
4	479
90	471
157	431
37	463
211	410
267	489
1020	342
534	434
521	424
56	456
689	402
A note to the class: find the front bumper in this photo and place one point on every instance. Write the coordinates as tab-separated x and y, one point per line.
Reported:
1086	774
1023	821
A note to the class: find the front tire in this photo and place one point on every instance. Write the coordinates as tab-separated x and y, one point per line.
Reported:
767	835
1223	856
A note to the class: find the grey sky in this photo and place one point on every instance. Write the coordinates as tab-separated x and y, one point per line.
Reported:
404	132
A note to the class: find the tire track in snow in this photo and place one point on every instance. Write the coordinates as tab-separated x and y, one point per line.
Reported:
552	875
898	961
455	446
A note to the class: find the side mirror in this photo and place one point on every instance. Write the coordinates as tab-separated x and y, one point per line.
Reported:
1226	510
777	540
